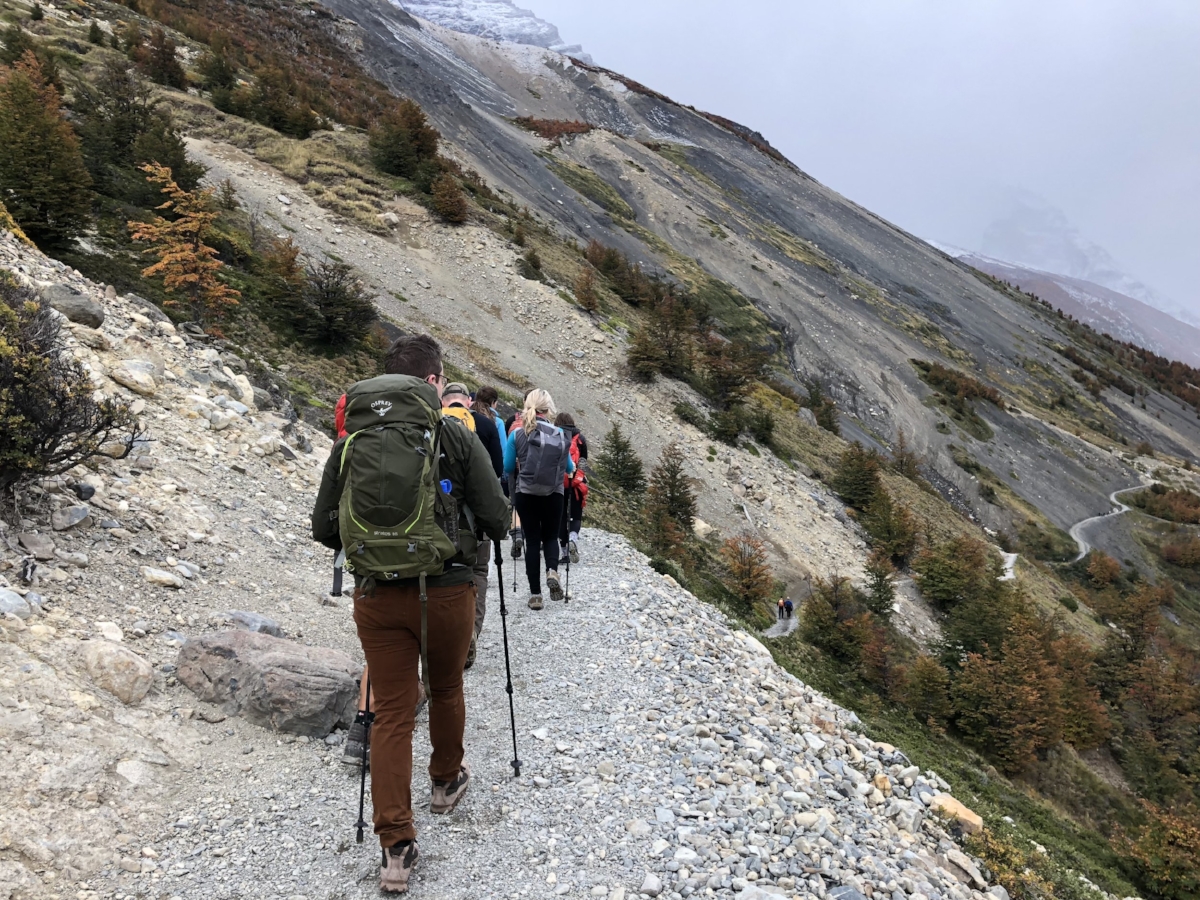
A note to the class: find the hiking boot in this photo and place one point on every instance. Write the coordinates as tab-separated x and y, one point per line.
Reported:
573	549
470	655
356	738
555	586
518	542
398	864
445	794
535	601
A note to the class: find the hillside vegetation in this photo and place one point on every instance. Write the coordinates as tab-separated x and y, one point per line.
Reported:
762	324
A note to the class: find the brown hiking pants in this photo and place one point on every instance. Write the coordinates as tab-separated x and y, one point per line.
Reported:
389	627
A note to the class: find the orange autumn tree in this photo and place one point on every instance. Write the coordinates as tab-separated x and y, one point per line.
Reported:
187	265
747	570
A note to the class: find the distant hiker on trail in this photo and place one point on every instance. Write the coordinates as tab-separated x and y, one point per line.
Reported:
541	453
455	404
779	612
788	607
575	489
404	469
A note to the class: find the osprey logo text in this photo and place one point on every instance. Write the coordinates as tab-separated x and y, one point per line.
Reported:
383	407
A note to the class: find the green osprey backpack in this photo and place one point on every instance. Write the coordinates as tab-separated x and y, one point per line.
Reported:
392	509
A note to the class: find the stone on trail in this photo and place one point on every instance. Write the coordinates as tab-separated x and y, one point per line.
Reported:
13	603
136	375
38	544
69	517
651	886
161	577
118	670
272	682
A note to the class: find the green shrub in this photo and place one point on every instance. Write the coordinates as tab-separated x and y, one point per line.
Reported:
49	419
333	310
691	414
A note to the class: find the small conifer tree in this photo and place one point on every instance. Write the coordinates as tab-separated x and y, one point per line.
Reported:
159	62
43	180
37	13
585	289
857	478
402	140
925	690
644	355
449	200
671	490
619	463
881	592
892	527
95	33
187	265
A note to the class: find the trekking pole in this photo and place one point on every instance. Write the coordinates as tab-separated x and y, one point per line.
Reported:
512	716
338	562
367	718
567	594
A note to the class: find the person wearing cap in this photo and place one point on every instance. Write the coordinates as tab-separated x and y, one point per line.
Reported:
456	404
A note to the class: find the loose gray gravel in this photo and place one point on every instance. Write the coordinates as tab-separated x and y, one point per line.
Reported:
659	748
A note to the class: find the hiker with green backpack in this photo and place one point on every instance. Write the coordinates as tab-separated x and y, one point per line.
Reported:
537	460
404	494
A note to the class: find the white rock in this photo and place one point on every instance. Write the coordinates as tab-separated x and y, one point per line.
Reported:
161	577
651	886
110	631
118	670
136	376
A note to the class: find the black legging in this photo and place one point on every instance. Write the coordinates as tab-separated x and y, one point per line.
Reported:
572	517
540	518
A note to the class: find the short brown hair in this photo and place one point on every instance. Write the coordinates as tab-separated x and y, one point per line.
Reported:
564	418
417	355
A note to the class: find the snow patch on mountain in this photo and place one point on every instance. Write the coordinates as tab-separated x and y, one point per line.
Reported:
500	20
1036	234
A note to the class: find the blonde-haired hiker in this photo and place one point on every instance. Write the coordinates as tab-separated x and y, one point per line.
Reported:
542	451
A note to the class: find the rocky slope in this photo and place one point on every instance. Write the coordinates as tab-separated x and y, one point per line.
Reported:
664	752
697	196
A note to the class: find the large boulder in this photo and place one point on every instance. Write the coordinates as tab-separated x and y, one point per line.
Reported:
75	306
118	670
950	808
272	682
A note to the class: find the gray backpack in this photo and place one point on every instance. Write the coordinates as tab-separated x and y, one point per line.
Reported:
543	460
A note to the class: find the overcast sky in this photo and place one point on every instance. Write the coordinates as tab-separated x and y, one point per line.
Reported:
930	112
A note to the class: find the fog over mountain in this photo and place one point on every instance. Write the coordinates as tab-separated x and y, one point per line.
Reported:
930	113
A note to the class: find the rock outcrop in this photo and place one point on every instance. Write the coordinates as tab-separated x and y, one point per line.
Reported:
272	682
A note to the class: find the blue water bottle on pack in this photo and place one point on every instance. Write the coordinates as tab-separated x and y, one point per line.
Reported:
445	485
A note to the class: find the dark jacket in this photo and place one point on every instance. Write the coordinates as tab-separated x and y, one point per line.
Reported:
486	431
465	462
